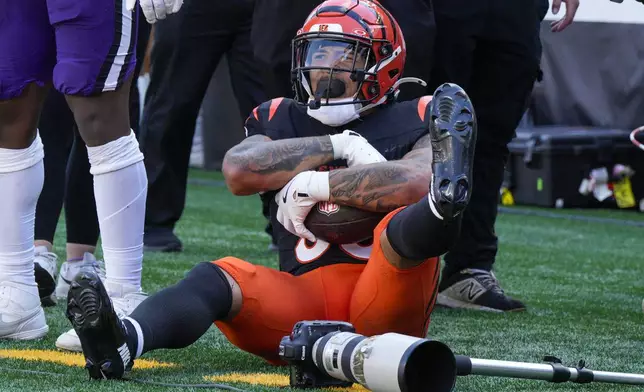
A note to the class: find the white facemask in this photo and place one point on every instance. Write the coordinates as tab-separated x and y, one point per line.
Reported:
336	115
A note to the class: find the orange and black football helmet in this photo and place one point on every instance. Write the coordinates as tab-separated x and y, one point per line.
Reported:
348	52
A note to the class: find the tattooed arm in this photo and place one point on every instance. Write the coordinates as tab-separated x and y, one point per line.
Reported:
385	186
260	164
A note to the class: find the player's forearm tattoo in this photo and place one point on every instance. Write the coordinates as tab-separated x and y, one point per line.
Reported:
383	187
259	164
380	187
421	154
280	159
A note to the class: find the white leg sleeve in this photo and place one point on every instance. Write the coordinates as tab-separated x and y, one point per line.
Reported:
21	181
120	189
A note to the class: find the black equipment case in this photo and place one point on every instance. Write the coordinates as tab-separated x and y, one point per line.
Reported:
548	164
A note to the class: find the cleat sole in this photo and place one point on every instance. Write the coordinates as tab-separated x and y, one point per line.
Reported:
90	311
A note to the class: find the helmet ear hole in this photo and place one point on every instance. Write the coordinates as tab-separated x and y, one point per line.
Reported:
374	90
386	49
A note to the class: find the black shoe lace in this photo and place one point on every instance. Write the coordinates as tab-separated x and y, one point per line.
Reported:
489	281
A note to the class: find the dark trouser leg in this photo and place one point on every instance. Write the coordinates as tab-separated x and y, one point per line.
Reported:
493	53
55	127
186	52
416	19
477	244
271	37
245	73
248	84
504	71
80	206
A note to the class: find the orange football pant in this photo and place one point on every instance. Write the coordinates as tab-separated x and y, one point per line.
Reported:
375	297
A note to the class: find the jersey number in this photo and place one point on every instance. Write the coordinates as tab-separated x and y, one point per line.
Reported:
306	253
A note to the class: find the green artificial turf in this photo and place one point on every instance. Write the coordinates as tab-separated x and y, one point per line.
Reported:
582	282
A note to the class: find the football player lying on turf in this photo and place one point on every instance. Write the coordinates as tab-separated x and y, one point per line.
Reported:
348	63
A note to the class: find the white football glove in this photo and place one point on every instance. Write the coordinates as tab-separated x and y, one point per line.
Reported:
355	149
156	9
297	198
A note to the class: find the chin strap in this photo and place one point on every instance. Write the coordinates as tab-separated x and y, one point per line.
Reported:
372	105
393	92
409	80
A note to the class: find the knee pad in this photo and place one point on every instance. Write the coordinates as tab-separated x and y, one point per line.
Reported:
115	155
208	283
204	271
16	160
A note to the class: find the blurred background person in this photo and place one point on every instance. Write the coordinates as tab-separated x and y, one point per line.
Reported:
492	49
186	51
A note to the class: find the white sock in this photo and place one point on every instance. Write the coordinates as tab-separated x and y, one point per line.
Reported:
21	181
139	337
432	203
120	189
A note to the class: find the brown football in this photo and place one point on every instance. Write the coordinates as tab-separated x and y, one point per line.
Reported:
339	224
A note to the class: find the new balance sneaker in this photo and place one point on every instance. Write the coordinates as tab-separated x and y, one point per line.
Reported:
21	315
101	333
45	263
125	298
475	289
69	269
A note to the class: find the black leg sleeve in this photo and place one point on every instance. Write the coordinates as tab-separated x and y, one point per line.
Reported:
177	316
416	233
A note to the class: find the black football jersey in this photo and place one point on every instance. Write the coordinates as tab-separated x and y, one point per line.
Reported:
392	129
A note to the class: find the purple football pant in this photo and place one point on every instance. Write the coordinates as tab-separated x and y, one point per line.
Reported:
84	46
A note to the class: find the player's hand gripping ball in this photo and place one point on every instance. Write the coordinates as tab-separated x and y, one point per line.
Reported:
303	206
297	198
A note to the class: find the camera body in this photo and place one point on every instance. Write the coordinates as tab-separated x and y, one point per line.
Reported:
297	350
331	354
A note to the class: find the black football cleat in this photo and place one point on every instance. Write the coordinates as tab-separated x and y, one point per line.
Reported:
102	335
453	133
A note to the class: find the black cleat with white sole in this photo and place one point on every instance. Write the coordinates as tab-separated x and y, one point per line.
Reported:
453	133
102	335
